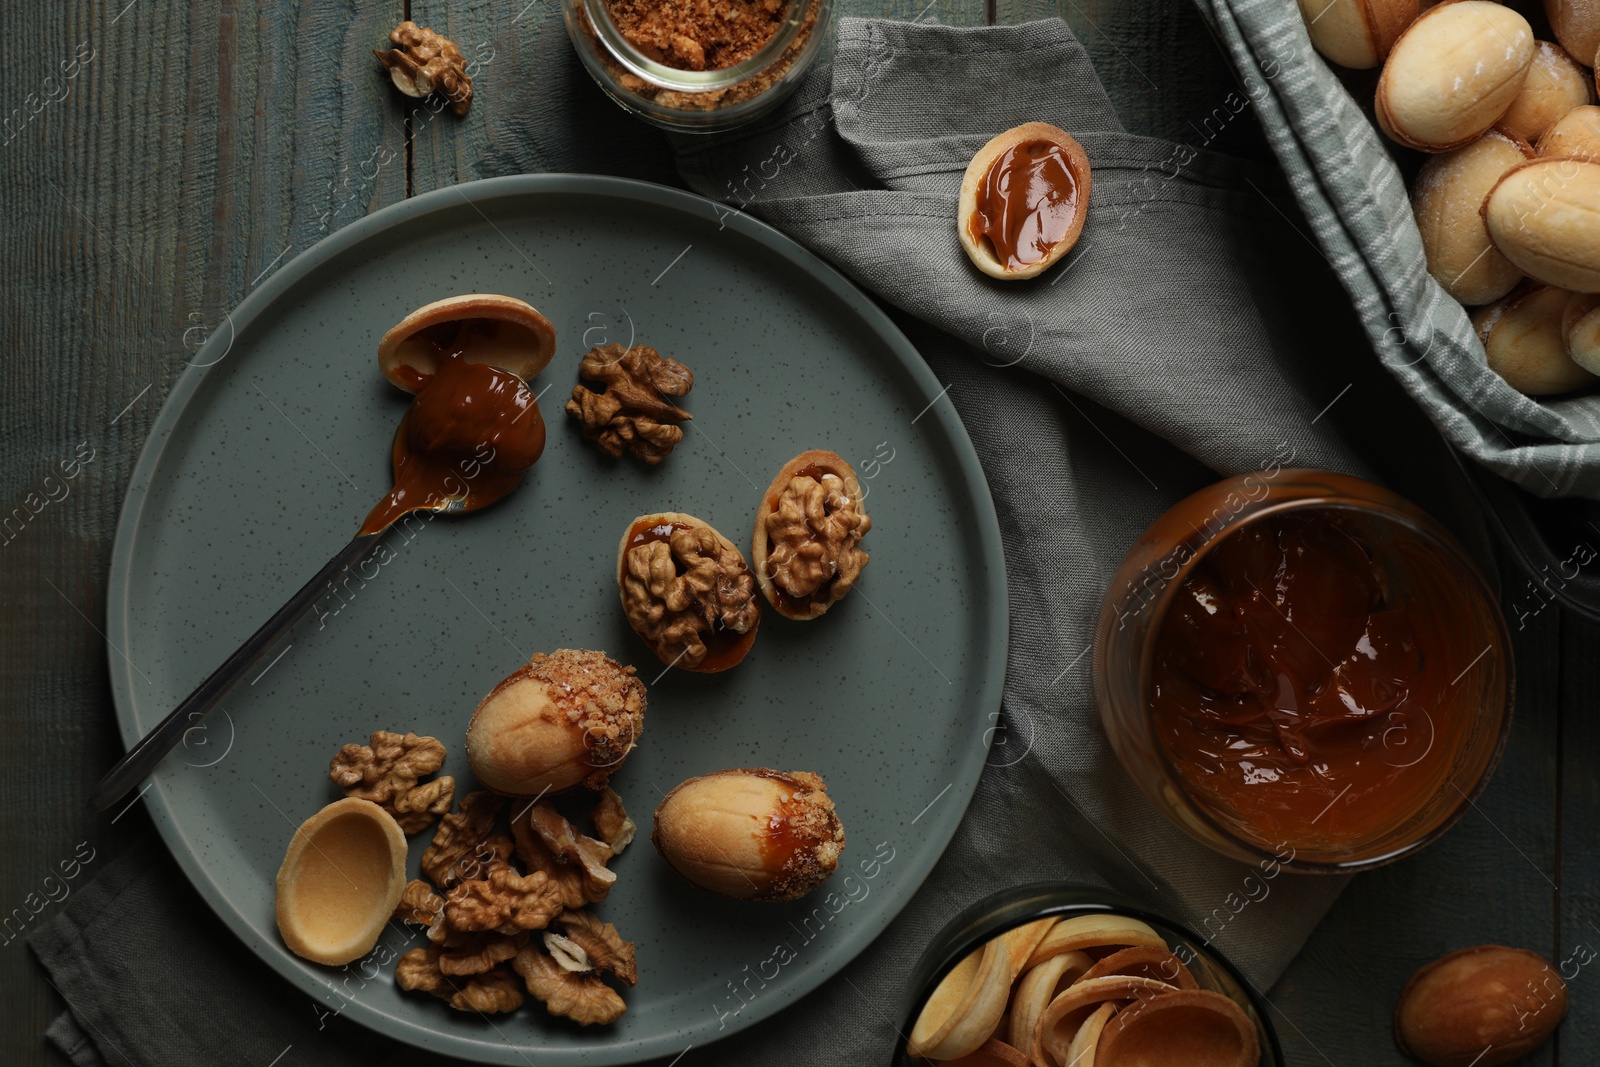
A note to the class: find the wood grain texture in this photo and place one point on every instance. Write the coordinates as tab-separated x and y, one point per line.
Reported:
1575	950
1491	879
159	159
526	65
196	147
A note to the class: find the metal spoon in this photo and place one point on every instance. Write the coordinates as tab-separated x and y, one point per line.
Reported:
474	493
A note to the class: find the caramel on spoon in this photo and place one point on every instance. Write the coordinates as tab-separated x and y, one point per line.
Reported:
472	431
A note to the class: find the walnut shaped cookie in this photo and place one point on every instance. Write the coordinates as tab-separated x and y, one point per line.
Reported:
807	550
630	410
688	591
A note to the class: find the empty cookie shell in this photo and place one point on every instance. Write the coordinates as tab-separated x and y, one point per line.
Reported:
1024	199
1191	1026
341	878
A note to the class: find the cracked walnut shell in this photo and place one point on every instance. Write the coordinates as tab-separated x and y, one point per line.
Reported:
631	412
687	591
566	719
423	62
578	995
386	770
807	546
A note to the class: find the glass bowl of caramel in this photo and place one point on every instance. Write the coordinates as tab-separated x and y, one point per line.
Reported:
1302	666
698	67
1056	974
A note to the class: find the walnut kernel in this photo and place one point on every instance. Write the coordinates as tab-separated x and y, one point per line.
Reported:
423	62
807	548
452	855
581	997
386	770
631	412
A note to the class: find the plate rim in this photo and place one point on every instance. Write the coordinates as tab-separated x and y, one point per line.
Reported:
477	193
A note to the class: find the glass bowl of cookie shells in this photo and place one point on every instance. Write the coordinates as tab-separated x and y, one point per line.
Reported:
1055	975
699	68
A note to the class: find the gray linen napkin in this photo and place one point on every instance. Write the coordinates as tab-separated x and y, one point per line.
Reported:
1355	199
1194	331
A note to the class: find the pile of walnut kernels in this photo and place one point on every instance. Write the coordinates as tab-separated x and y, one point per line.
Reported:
505	903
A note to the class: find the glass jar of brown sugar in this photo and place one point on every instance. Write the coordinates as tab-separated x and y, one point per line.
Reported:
698	65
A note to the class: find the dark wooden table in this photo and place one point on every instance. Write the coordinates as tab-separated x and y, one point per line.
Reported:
159	159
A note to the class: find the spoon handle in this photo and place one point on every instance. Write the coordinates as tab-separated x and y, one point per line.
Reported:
149	750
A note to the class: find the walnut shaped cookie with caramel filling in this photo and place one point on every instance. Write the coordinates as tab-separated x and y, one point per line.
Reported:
807	550
688	591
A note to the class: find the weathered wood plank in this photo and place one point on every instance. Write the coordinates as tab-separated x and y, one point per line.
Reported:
535	109
162	157
1491	879
1576	951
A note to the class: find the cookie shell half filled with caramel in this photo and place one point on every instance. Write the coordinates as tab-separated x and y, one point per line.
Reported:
501	331
1023	202
687	591
806	548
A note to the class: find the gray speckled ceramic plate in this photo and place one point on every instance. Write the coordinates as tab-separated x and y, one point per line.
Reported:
274	444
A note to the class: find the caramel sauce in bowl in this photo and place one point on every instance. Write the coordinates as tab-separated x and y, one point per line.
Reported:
1304	666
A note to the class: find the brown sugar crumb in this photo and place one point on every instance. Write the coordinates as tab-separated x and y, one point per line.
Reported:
814	833
698	34
601	696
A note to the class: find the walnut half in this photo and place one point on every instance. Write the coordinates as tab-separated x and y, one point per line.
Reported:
423	62
630	412
807	546
687	591
386	770
578	995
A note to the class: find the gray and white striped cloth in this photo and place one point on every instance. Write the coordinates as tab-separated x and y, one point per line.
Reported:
1349	188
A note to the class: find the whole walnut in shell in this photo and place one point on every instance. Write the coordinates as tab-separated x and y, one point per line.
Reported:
687	591
807	546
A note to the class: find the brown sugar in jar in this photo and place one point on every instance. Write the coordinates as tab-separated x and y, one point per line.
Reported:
697	64
697	34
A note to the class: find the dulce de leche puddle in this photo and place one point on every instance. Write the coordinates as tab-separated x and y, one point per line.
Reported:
1307	683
